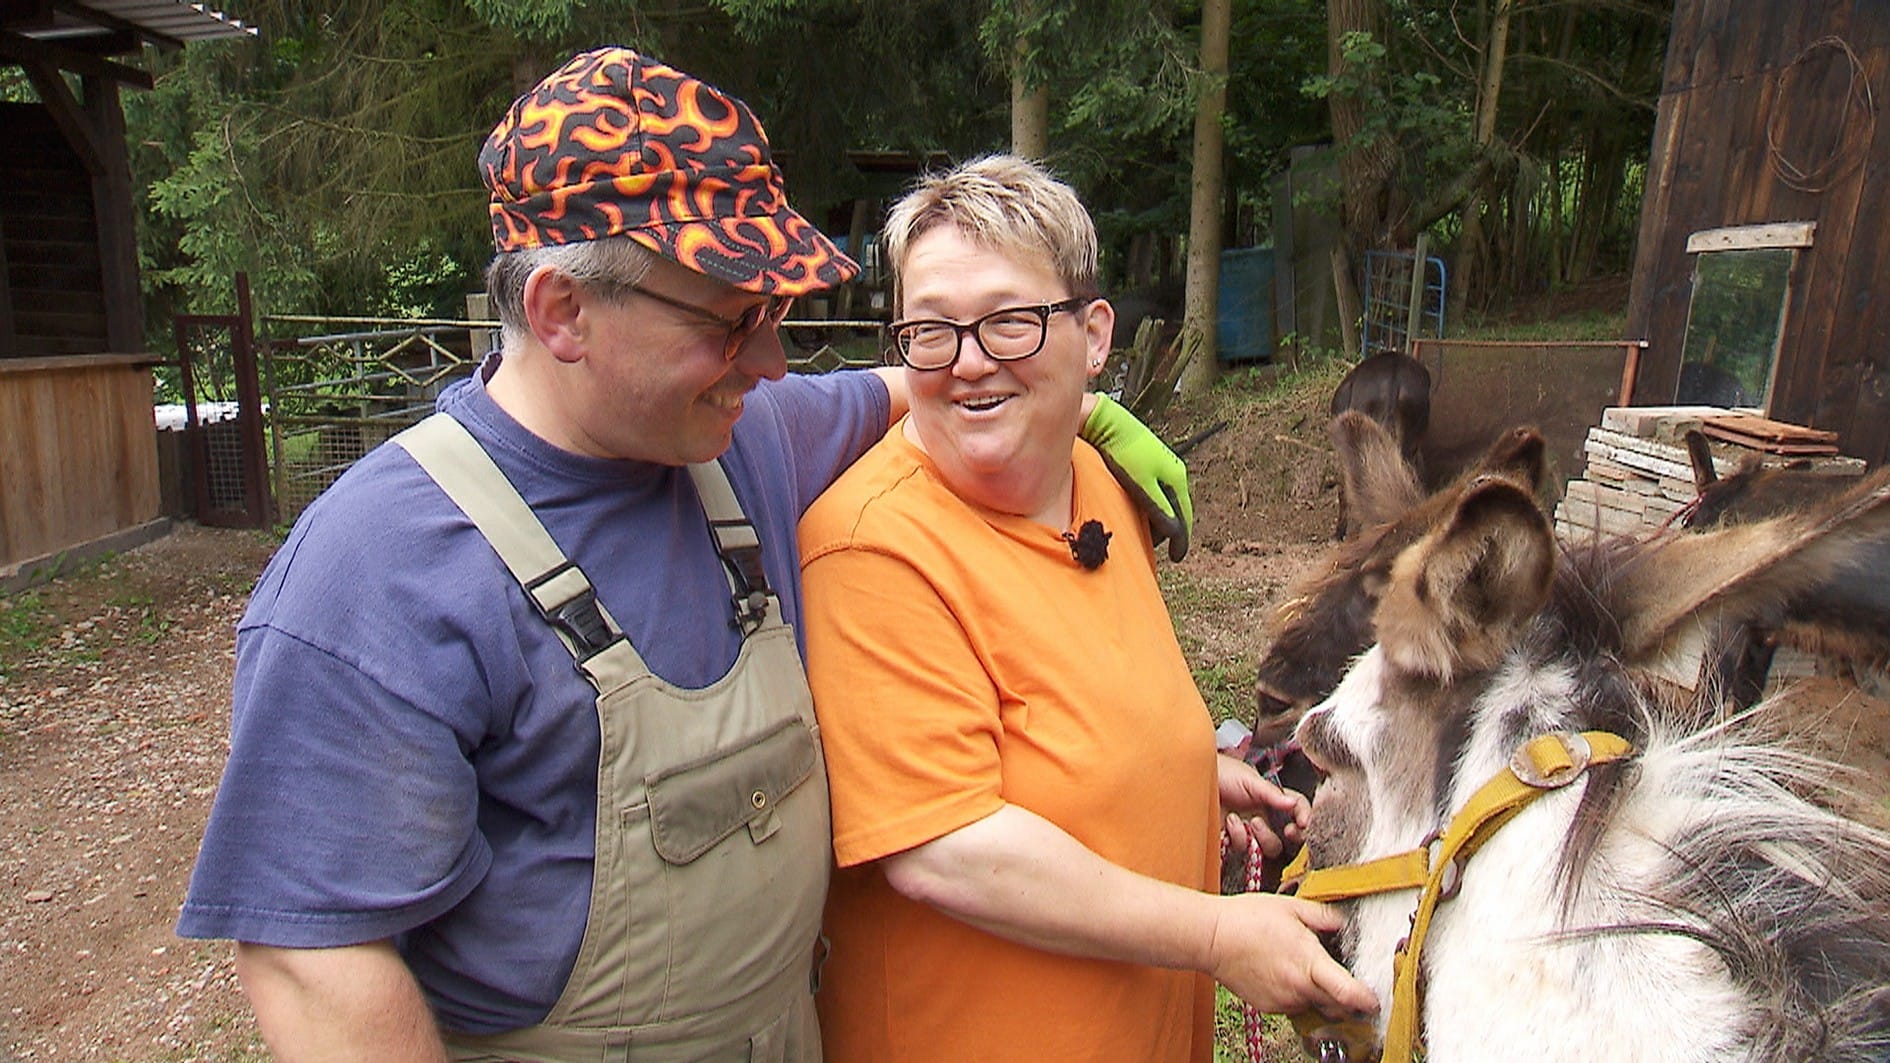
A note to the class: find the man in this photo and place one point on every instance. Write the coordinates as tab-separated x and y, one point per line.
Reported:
523	763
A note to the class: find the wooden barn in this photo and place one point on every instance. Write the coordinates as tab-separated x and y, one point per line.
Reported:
1762	273
78	449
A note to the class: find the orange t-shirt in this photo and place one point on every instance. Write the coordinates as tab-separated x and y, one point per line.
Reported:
961	660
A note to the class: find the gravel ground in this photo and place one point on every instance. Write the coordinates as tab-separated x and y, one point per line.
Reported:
114	713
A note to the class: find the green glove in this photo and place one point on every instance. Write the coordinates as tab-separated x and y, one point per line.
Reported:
1147	470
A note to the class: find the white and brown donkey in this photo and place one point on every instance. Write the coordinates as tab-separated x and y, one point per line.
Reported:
1684	896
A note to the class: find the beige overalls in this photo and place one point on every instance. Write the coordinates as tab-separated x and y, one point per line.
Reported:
713	838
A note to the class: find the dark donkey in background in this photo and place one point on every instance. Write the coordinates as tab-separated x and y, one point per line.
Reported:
1834	626
1393	390
1326	618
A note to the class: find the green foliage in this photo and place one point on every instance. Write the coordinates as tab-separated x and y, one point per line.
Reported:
332	157
535	20
426	282
1413	107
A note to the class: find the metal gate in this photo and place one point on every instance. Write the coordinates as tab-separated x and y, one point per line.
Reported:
223	416
1404	299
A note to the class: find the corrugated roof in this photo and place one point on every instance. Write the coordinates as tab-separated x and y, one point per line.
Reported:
164	22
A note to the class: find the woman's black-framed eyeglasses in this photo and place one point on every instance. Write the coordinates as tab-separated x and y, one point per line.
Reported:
1004	335
768	313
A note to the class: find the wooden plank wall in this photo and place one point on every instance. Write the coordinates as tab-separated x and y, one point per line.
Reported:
1711	168
54	280
78	459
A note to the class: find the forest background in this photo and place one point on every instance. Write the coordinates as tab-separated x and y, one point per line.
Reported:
331	157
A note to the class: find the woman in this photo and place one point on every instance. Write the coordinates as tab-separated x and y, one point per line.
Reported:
1023	778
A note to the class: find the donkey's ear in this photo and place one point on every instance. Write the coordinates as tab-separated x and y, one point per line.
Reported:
1517	454
1762	573
1459	596
1700	456
1379	486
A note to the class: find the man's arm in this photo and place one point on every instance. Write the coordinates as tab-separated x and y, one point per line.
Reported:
358	1002
1021	877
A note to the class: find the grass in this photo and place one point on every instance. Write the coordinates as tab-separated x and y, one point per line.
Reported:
1594	325
1278	1042
25	622
1225	684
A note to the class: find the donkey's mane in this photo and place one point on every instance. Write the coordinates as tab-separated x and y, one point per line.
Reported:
1793	898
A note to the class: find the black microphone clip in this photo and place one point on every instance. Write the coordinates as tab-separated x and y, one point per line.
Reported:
1090	545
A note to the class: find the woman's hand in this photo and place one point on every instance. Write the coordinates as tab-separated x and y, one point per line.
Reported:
1256	811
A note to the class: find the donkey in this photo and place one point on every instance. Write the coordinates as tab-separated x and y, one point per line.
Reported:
1685	901
1393	389
1325	619
1751	493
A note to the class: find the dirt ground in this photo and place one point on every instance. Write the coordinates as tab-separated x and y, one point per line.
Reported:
114	689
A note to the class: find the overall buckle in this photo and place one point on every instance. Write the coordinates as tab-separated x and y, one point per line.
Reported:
578	617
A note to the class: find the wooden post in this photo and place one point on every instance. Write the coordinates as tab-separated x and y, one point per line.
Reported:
1414	315
115	216
1629	367
1347	296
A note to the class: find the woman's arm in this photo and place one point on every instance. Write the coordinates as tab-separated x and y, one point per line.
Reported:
1021	877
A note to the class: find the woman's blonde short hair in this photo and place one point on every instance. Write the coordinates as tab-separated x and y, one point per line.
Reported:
1006	203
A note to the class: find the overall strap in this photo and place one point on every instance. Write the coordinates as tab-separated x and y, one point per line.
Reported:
737	544
558	589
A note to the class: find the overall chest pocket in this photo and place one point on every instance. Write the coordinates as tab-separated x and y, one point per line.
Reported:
693	807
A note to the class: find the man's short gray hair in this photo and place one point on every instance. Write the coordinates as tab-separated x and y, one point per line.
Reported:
609	267
1008	204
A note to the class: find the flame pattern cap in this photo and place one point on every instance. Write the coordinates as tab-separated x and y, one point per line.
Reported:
617	144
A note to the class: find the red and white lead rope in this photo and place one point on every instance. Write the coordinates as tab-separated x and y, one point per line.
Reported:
1253	1019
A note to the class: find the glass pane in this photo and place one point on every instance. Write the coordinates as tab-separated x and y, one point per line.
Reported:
1733	326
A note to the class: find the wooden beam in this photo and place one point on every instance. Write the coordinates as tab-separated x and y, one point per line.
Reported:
67	114
26	14
1751	237
15	48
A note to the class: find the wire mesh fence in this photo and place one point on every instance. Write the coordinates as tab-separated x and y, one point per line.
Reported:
339	387
349	384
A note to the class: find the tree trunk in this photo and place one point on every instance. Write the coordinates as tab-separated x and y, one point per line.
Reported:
1366	167
1030	103
1204	213
1470	247
1141	271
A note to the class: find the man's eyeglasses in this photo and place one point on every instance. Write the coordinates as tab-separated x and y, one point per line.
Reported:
1005	335
769	314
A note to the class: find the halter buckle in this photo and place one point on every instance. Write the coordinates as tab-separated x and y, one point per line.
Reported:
1551	760
1433	846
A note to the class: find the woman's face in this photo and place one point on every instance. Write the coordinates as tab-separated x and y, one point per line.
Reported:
999	432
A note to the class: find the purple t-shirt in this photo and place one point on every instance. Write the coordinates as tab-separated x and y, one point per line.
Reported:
413	753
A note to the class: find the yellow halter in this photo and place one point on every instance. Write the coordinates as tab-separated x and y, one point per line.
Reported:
1435	868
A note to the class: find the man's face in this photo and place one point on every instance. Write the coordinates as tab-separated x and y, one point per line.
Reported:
997	429
658	383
